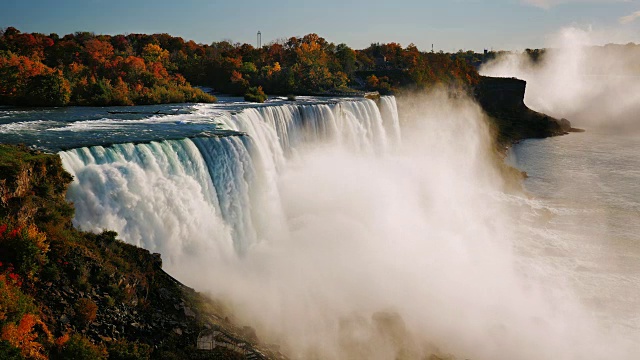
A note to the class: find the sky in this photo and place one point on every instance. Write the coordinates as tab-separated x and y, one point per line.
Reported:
449	25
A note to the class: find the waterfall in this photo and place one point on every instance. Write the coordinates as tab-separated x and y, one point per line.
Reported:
331	240
214	194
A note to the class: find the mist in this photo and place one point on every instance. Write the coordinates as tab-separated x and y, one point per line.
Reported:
406	254
593	86
366	241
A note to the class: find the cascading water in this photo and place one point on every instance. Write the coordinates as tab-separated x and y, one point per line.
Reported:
200	194
324	220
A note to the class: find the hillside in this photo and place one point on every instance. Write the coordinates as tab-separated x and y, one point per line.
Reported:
67	294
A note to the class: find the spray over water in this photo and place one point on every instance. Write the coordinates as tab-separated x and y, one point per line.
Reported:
597	87
339	236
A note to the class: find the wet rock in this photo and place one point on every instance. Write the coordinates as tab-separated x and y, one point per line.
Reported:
249	333
106	339
565	124
164	293
189	313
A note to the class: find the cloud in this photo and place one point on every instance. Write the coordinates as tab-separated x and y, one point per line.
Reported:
547	4
630	18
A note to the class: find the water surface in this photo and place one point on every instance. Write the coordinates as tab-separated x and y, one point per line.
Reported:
586	188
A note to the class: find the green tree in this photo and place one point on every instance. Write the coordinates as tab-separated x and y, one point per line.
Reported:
50	89
347	58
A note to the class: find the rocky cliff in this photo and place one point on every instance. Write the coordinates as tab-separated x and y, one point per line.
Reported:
67	294
503	100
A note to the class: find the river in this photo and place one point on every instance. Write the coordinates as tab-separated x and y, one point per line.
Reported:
587	188
335	232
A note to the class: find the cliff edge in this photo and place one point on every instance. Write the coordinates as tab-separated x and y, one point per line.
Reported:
68	294
503	100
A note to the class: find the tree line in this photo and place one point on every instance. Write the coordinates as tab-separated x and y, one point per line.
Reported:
88	69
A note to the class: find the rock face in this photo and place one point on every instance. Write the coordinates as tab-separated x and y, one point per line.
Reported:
32	186
503	100
94	285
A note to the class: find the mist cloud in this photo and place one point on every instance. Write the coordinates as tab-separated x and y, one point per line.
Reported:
405	255
395	253
592	86
630	18
547	4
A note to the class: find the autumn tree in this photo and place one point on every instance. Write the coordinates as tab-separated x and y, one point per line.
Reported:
49	89
97	51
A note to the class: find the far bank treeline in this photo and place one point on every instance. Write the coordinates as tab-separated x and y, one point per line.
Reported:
88	69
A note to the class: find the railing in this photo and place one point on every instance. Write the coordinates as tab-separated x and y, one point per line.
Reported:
209	340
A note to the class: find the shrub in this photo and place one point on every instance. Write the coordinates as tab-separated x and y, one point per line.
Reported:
255	94
86	311
124	350
9	352
13	303
24	336
26	247
80	348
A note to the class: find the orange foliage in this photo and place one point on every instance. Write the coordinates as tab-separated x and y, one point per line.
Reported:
98	51
23	336
154	53
59	342
158	71
135	64
15	72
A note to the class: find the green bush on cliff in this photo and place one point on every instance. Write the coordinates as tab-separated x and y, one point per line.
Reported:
23	247
255	94
14	304
125	350
8	352
79	347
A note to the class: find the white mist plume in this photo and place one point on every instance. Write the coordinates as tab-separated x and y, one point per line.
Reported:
547	4
630	18
383	254
592	87
422	233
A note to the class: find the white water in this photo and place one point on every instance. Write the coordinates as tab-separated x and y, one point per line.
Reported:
326	215
184	197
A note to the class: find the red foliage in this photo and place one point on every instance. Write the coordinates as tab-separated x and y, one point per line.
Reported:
98	51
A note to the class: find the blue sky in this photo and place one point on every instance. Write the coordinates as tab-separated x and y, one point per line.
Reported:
448	24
